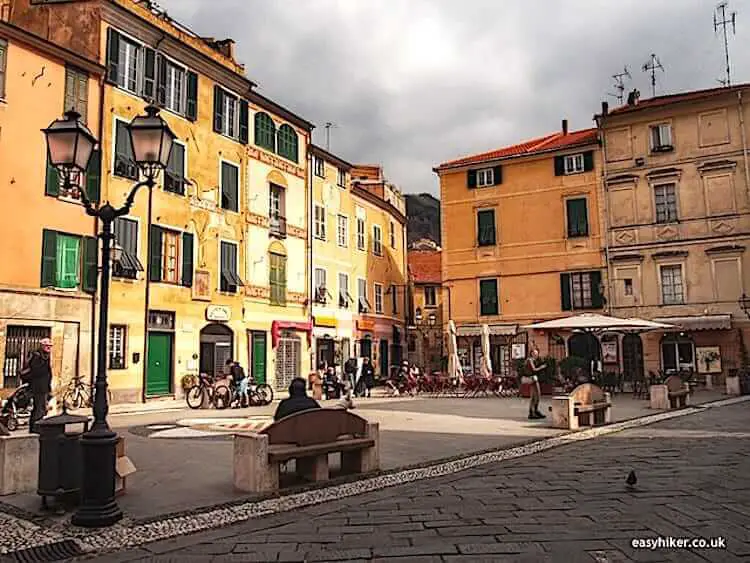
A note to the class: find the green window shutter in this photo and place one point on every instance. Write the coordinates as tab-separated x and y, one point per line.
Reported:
567	304
559	166
154	254
218	109
90	264
113	54
191	111
52	181
486	227
68	262
244	124
578	225
161	80
471	179
497	175
588	161
149	73
273	277
187	259
488	297
597	299
93	176
49	258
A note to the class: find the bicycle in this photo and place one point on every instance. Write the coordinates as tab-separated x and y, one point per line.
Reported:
218	396
79	394
259	395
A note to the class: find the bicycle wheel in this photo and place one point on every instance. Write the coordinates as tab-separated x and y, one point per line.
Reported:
265	393
194	397
222	397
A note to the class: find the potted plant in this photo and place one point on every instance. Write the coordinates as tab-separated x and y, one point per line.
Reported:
572	367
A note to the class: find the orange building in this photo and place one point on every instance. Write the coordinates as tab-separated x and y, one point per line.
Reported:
425	322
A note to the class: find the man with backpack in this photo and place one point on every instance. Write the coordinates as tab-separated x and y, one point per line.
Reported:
239	379
38	374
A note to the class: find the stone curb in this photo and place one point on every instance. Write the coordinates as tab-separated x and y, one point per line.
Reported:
124	536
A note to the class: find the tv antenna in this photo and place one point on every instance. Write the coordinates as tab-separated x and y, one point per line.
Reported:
721	20
620	84
328	126
652	66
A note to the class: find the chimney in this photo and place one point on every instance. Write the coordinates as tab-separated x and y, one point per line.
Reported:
605	108
565	126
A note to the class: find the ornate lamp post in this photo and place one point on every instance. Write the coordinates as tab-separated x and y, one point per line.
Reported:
70	145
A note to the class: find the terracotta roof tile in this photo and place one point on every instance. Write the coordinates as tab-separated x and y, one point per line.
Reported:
553	141
425	266
676	98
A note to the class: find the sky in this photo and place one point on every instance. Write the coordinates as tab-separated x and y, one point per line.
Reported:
412	83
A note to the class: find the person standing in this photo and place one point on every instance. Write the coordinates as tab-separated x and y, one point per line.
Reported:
368	375
535	366
40	381
239	379
350	371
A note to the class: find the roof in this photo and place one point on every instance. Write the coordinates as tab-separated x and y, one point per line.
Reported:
425	266
548	143
692	96
329	156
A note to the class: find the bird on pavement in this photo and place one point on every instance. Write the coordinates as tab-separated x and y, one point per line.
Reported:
631	480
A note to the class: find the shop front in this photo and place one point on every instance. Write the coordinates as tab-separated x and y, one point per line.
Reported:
506	346
332	340
289	341
381	340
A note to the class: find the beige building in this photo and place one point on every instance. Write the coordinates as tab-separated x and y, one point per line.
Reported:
678	220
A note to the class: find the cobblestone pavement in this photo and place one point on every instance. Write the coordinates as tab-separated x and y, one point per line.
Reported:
567	504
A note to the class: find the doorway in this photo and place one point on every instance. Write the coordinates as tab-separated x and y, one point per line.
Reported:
19	342
159	366
632	357
383	353
216	347
325	350
365	347
258	356
584	345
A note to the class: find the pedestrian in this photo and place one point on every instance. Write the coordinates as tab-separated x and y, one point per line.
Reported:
368	375
239	380
534	367
40	380
298	400
350	370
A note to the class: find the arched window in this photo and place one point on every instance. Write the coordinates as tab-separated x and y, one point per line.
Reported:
265	131
288	143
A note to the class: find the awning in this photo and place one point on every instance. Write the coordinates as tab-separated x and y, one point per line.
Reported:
698	322
278	326
495	330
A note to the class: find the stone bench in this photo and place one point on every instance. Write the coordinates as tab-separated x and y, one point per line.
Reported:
673	393
307	437
586	405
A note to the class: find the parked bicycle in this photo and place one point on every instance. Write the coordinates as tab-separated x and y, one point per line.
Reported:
218	396
81	394
258	395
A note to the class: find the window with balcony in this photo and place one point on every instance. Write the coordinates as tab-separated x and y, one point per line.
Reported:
277	211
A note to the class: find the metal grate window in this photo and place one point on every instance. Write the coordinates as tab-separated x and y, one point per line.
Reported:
20	341
288	361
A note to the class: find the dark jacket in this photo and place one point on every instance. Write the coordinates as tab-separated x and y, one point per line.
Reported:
298	401
350	367
238	374
40	378
368	375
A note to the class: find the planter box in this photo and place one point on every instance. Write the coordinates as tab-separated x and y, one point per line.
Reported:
546	388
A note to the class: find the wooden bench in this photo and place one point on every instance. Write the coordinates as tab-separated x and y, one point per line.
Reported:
586	405
673	393
307	437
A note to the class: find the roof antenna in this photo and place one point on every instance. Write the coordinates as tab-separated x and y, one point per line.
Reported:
620	84
652	66
720	20
328	134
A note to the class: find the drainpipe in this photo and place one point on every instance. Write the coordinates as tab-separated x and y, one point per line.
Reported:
744	140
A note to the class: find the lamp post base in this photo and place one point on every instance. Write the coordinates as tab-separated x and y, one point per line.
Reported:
98	508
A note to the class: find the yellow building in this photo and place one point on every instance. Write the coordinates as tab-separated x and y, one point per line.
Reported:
521	242
49	272
215	257
678	224
359	263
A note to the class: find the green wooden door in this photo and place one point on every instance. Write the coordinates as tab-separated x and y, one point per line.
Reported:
259	357
158	370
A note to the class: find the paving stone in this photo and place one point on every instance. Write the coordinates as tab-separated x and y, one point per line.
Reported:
416	550
252	548
337	554
498	547
458	531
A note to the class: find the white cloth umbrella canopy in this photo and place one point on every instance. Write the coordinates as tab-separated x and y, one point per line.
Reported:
454	363
597	322
486	367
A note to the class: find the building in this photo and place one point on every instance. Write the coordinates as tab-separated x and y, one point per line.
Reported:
215	258
425	322
678	224
359	262
49	278
521	243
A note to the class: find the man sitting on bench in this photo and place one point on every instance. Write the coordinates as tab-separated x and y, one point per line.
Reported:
297	400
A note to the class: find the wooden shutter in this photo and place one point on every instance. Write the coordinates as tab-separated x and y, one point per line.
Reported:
497	175
486	227
588	161
471	178
93	176
218	109
488	297
154	253
52	181
559	166
113	55
191	111
567	304
187	259
244	125
149	73
597	299
90	264
161	80
578	225
49	258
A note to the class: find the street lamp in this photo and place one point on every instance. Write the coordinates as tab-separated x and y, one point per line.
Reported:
70	146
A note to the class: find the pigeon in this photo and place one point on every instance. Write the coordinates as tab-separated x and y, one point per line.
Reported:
632	479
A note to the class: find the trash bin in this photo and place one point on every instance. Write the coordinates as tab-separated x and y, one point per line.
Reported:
60	460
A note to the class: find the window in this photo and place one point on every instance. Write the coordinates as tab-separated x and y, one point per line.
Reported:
341	177
377	240
677	353
488	297
126	237
485	177
394	299
55	185
392	234
581	290
344	297
577	215
287	143
230	185
276	211
230	115
170	258
672	291
574	163
320	222
665	200
342	232
361	234
580	286
277	279
175	89
174	175
319	166
661	137
430	296
117	340
265	132
3	64
125	166
378	298
129	69
486	227
364	304
321	292
76	91
69	262
230	280
628	286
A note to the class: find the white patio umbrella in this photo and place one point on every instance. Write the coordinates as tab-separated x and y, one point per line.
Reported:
595	322
454	363
486	367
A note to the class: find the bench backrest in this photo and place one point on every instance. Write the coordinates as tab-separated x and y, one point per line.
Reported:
674	383
587	393
315	426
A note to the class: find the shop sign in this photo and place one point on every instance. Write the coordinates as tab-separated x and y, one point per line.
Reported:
329	322
366	326
218	313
